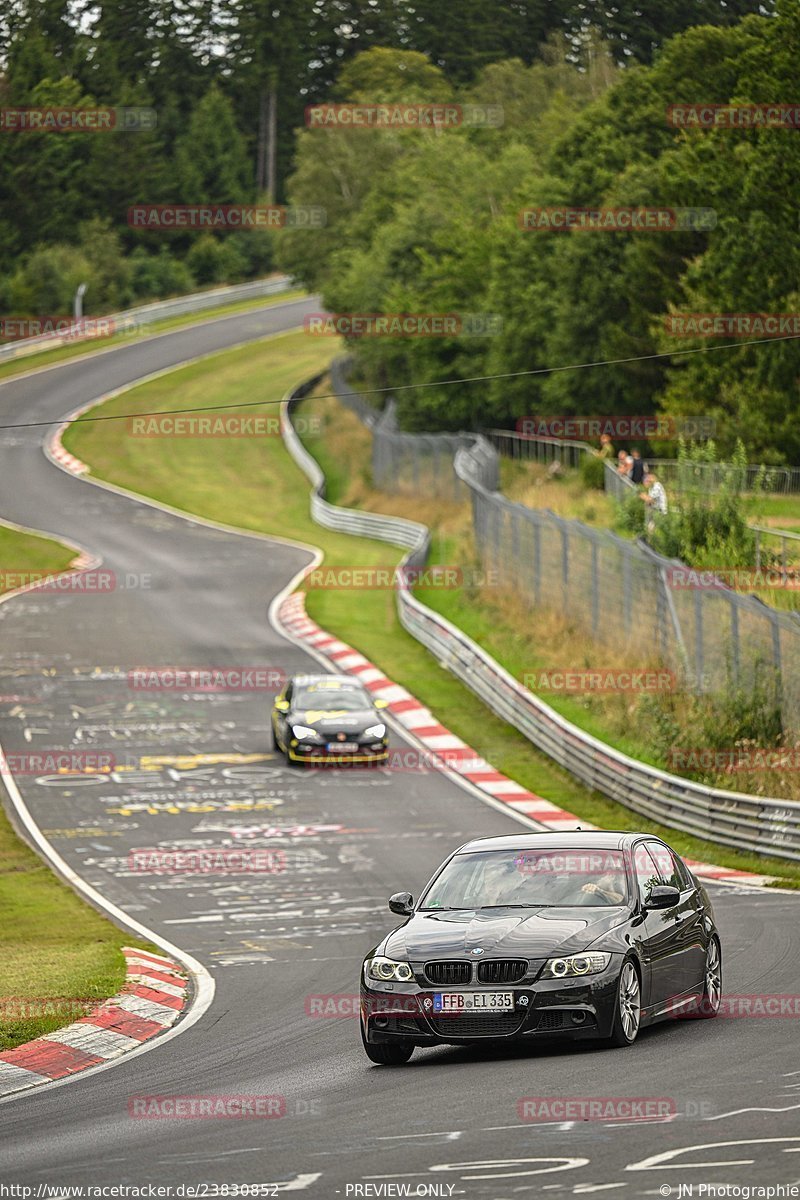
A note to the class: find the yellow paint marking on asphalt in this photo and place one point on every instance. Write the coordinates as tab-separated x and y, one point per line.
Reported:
187	761
73	833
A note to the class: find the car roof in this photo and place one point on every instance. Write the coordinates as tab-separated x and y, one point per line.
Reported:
569	839
305	680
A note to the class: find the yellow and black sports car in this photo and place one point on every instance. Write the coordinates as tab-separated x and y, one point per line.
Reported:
328	718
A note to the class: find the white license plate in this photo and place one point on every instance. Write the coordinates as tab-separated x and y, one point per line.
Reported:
469	1002
334	747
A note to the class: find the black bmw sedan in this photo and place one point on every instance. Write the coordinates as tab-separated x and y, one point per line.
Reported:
329	718
566	935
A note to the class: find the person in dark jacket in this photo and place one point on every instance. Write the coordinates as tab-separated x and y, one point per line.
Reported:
637	471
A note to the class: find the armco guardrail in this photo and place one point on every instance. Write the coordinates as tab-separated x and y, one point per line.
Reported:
417	463
753	823
395	530
146	314
526	447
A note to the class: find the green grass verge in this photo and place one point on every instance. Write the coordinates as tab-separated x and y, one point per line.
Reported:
47	358
29	554
781	511
58	954
257	486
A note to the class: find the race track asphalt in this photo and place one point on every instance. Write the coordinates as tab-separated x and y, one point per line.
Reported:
190	595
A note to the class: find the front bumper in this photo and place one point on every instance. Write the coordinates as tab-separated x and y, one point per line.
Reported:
317	753
552	1008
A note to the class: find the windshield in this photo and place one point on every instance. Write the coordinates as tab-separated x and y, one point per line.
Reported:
332	700
530	878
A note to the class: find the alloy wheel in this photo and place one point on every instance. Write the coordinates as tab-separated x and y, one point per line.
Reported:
629	1001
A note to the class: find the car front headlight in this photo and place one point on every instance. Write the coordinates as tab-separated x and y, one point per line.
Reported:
375	731
575	965
388	970
303	733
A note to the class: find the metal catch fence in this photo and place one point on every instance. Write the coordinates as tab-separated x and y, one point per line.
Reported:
756	823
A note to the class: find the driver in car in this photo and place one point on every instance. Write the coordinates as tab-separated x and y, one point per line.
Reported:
501	882
520	882
610	886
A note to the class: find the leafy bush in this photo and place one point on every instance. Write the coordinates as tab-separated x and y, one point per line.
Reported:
109	288
154	276
213	261
593	471
706	524
632	515
46	282
256	251
732	718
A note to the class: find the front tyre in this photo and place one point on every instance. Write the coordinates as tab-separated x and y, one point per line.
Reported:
387	1054
628	1007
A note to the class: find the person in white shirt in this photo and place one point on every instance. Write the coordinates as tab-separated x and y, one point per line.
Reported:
655	498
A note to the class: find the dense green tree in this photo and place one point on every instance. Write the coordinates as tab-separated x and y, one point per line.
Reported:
47	282
210	156
270	45
427	220
637	28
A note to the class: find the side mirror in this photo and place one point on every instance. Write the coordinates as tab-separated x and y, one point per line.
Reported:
381	703
663	896
401	903
282	705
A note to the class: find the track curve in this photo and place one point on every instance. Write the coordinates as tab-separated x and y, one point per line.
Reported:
450	1118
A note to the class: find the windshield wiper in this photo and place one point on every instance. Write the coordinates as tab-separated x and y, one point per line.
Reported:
482	906
443	908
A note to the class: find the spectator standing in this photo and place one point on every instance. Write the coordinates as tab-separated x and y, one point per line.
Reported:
637	468
655	498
